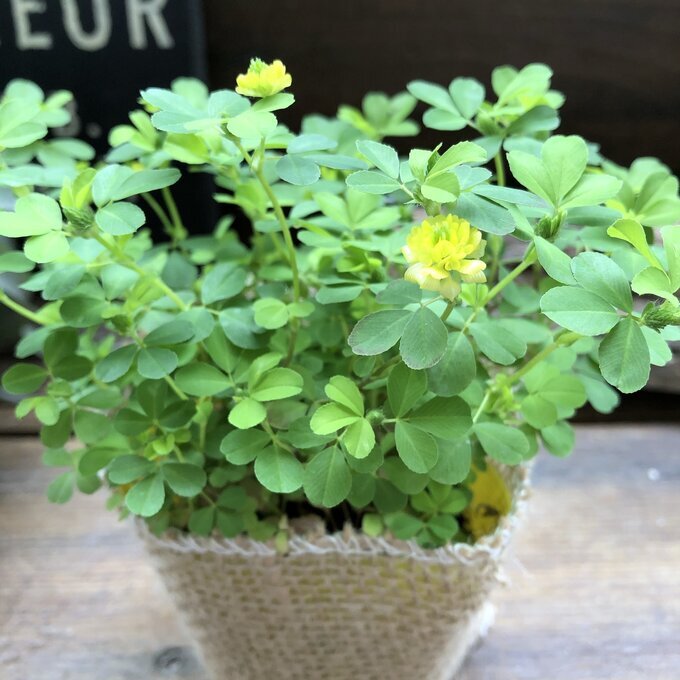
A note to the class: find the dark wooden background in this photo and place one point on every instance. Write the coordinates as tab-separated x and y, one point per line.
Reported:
618	61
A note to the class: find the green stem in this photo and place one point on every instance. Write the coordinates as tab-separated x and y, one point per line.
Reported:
179	229
561	340
20	309
447	312
283	222
527	261
500	169
131	264
160	213
482	406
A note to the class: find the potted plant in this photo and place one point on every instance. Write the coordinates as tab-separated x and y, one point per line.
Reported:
324	433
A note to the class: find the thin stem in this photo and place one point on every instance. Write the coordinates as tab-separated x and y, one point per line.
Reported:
561	340
131	264
20	309
178	226
160	213
500	169
482	406
447	312
283	222
528	260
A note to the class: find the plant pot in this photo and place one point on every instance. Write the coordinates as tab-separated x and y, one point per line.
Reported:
338	606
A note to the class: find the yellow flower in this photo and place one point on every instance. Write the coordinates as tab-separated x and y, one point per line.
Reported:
262	79
490	501
442	252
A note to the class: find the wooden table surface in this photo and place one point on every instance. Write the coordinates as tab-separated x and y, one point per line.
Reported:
595	574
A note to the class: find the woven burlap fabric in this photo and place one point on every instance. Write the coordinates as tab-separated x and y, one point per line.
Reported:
336	607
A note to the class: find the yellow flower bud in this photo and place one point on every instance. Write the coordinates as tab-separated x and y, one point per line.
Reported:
443	251
262	79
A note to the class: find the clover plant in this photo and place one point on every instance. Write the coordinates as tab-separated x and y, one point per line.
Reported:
393	321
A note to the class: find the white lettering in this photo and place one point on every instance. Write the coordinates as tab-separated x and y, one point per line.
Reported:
101	33
26	38
142	13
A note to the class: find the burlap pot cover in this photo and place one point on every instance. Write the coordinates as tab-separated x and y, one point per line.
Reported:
338	606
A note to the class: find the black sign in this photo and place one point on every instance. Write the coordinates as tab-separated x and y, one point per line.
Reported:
104	51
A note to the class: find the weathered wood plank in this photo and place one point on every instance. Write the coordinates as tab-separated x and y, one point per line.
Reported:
597	595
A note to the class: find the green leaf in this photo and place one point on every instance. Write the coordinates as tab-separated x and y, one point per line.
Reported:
402	525
46	248
241	447
556	263
378	332
562	163
116	364
62	282
117	182
170	333
659	351
592	190
91	427
404	387
463	152
359	438
538	411
72	368
298	170
400	292
33	215
222	282
201	380
445	417
484	214
624	357
634	233
344	391
184	479
331	418
497	342
558	439
119	219
327	479
14	262
454	462
384	157
47	410
270	313
155	362
424	338
279	471
24	378
130	422
502	443
671	244
467	95
372	182
330	295
252	124
247	413
240	328
601	275
653	281
416	448
443	188
279	383
60	489
405	480
146	498
455	370
579	310
202	521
